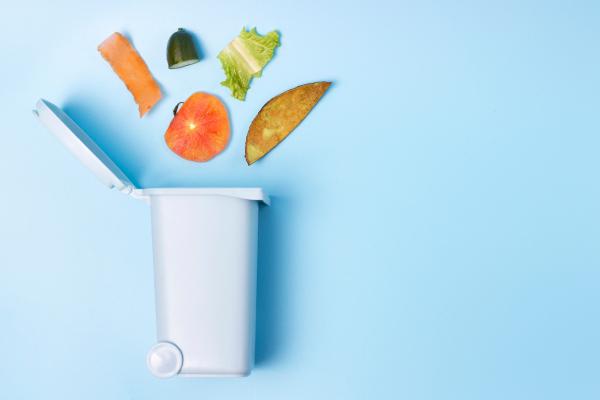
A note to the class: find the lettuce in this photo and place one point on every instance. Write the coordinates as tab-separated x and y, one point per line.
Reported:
245	57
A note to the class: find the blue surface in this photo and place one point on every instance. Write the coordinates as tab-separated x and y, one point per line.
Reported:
435	220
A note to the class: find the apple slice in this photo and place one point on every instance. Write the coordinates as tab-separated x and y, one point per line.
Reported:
200	128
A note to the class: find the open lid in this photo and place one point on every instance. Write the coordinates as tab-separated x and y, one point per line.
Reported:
82	146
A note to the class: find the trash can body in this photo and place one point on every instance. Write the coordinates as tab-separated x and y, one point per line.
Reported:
205	279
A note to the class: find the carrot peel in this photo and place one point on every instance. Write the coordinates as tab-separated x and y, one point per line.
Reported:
132	70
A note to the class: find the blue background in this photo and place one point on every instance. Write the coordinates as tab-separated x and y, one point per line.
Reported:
435	220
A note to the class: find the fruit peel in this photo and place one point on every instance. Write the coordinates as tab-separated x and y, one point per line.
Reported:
279	117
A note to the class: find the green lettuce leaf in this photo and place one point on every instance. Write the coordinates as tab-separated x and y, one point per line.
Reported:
245	57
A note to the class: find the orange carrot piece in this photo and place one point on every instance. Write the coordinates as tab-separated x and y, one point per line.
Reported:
133	71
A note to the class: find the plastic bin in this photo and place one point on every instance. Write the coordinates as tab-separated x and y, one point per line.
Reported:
205	245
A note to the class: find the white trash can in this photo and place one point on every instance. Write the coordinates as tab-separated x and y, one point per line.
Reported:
205	244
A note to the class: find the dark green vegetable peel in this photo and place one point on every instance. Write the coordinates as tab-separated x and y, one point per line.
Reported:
181	50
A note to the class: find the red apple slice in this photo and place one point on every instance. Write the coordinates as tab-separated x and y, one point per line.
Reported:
200	129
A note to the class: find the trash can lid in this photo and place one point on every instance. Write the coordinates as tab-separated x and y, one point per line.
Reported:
82	146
